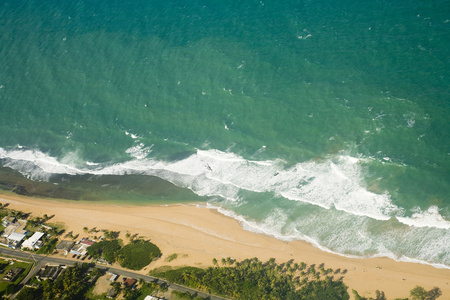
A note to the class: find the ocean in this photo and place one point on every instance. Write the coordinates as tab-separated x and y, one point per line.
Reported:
315	120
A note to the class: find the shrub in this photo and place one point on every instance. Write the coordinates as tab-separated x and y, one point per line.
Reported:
138	254
106	249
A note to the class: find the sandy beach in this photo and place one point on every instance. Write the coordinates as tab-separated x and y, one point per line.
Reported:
198	234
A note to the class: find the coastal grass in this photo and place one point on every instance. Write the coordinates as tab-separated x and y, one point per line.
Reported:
171	257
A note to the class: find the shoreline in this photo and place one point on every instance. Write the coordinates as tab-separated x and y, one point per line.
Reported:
198	234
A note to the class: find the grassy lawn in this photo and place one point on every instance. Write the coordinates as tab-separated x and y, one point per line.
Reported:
90	295
23	265
48	247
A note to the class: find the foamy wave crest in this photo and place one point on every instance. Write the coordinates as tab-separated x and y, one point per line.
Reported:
37	165
329	184
428	218
335	183
215	173
139	151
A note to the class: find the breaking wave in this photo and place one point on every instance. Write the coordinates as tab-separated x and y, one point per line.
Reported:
331	192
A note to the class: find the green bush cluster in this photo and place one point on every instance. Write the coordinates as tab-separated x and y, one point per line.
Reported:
138	254
135	255
106	249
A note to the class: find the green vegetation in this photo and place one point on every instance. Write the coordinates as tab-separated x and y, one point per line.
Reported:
106	249
72	284
177	295
171	257
111	235
28	293
379	296
138	254
9	287
48	247
135	255
419	293
252	279
248	279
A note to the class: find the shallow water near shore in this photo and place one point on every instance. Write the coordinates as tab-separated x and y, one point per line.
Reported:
325	122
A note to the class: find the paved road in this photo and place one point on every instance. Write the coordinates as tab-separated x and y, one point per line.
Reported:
42	260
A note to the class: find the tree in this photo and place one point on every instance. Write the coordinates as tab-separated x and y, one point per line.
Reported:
28	293
96	273
323	289
357	296
434	293
138	254
380	295
418	293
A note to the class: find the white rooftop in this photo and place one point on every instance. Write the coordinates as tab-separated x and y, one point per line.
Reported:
16	236
32	240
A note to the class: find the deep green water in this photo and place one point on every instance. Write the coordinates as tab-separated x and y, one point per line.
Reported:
318	120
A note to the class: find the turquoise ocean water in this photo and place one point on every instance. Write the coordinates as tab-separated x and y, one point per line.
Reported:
325	121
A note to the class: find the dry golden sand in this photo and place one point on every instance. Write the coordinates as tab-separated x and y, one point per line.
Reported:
199	234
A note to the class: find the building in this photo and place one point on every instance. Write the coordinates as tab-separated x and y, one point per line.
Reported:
81	247
34	242
111	293
15	239
49	272
111	277
8	220
64	247
129	282
152	298
18	226
12	274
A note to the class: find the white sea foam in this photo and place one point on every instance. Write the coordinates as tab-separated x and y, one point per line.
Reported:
347	241
133	136
343	207
330	184
139	151
428	218
36	164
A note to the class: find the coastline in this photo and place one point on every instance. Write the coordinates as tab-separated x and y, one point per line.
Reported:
199	234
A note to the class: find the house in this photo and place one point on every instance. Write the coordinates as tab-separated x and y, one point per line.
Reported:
49	272
34	242
64	247
111	277
18	226
8	220
152	298
87	242
129	282
81	247
15	239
